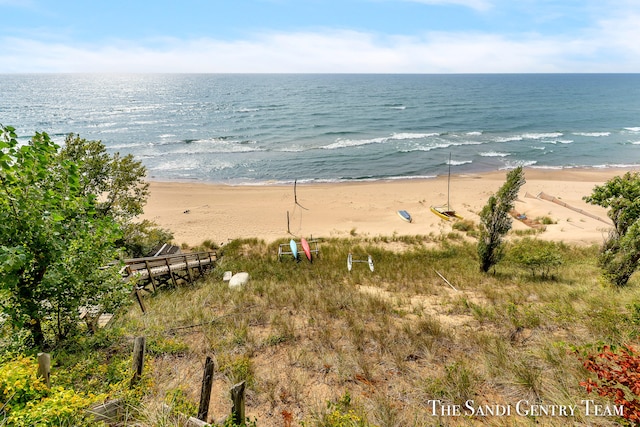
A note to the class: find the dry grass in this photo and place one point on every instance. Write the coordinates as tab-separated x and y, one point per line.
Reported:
307	334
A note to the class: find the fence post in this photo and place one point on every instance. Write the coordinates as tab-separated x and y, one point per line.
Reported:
205	392
237	395
138	359
44	367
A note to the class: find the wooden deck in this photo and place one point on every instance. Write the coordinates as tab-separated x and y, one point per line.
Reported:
160	270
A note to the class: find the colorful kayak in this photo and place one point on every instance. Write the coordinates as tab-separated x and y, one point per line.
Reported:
294	248
405	215
306	248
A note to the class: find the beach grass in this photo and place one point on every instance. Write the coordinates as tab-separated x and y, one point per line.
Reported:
425	325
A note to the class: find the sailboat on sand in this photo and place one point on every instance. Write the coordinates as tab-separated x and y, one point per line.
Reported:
445	212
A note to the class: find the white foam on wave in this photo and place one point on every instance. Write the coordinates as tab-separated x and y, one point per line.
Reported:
592	134
399	107
474	133
426	148
516	163
494	154
557	141
635	129
459	162
636	143
541	135
345	143
508	138
408	135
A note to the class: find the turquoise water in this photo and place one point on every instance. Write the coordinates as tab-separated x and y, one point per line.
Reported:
279	128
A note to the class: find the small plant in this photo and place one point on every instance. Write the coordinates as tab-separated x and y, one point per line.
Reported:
341	413
618	375
465	226
546	220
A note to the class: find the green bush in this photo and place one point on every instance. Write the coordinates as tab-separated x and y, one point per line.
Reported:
538	256
29	403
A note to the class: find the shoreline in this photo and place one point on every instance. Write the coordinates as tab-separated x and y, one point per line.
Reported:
196	211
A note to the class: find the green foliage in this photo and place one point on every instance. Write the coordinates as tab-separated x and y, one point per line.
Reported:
141	237
119	181
622	196
53	240
464	225
495	221
28	402
180	403
341	413
621	252
237	369
537	256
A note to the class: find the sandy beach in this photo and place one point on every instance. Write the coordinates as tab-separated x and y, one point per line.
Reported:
196	212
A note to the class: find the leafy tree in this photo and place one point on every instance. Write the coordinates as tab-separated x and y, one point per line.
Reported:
53	240
495	221
123	192
620	253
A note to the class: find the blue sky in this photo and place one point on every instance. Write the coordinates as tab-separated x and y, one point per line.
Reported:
320	36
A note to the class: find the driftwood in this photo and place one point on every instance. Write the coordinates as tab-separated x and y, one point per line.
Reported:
445	280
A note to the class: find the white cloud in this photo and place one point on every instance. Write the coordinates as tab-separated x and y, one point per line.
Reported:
473	4
609	47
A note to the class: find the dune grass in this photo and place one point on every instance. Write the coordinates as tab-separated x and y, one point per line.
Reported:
321	346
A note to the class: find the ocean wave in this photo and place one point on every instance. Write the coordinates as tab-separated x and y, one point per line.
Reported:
346	143
494	154
474	133
426	148
541	135
635	129
408	135
557	141
459	162
399	107
508	138
592	134
516	163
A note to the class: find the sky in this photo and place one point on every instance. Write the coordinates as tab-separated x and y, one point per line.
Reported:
320	36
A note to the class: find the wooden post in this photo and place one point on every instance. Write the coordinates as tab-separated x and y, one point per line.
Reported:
205	392
153	282
173	278
44	367
140	302
237	412
186	264
138	359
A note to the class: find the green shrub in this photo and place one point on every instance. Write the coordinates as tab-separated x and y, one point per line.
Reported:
538	256
464	226
28	402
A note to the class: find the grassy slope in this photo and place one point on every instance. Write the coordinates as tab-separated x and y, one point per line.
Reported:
383	344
